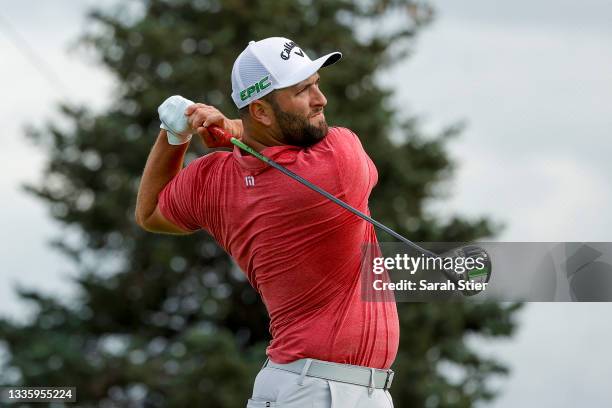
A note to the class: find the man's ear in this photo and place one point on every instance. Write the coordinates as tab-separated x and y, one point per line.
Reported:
262	112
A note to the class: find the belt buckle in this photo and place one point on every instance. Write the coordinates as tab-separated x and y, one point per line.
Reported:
389	379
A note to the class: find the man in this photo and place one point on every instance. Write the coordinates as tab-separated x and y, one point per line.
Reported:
300	251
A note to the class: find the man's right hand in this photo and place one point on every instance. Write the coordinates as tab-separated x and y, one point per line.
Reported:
201	116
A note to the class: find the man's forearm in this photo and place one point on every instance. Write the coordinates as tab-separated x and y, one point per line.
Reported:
164	162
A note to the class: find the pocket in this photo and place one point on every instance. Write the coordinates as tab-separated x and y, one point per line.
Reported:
260	404
345	395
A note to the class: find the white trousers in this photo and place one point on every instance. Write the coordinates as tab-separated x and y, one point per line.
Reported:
280	388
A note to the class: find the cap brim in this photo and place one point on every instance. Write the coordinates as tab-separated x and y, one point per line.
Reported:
329	59
316	65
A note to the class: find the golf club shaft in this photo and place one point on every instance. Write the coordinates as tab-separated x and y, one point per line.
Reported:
243	146
319	190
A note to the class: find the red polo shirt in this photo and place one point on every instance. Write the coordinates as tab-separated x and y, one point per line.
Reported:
299	250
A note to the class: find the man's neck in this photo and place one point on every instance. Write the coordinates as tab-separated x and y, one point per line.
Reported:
259	141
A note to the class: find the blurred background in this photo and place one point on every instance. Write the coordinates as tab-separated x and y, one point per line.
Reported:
486	120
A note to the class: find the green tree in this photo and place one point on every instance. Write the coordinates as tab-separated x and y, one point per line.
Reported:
171	320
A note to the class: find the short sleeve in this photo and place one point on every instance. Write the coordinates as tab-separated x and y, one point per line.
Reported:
357	172
185	198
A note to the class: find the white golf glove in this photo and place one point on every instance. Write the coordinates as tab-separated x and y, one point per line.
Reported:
173	119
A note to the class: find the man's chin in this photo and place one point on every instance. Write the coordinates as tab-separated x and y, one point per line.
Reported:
322	126
301	131
313	136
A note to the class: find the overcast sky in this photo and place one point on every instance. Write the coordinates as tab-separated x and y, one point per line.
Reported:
533	82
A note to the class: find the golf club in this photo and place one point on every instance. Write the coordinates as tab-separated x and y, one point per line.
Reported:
451	275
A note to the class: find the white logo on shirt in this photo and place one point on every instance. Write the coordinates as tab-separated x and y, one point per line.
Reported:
249	181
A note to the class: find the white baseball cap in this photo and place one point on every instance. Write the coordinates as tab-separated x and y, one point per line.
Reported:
272	63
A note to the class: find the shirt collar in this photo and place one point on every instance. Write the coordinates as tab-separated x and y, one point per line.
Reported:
276	153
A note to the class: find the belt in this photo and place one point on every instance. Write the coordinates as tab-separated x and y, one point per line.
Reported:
346	373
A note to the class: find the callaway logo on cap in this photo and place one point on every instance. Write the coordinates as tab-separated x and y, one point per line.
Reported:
272	63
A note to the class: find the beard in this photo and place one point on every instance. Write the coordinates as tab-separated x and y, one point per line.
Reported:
296	130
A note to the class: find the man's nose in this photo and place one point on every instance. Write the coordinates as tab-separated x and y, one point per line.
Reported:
318	99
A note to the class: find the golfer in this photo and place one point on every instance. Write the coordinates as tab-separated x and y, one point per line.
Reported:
300	251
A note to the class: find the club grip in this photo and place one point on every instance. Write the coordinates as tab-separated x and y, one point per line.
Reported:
219	132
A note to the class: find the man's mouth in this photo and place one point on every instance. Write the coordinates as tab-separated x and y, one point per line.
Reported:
320	113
